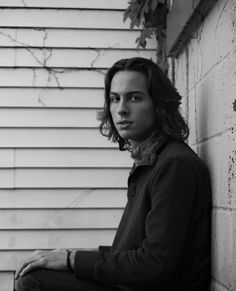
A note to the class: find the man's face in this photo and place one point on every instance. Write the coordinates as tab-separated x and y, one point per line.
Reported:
132	108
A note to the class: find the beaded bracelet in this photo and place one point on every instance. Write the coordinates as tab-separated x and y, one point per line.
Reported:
68	263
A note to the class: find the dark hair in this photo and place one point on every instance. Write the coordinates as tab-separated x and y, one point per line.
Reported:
169	122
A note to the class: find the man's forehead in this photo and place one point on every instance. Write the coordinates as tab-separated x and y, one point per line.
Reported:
129	80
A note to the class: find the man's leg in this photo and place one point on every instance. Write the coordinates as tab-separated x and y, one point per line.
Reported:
49	280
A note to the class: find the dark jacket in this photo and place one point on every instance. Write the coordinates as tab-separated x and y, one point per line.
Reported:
163	240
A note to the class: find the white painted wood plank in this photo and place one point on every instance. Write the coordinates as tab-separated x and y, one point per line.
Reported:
7	178
8	37
63	198
10	260
60	158
51	97
6	158
71	178
57	219
62	18
26	77
101	4
55	137
15	117
44	239
67	58
77	38
6	281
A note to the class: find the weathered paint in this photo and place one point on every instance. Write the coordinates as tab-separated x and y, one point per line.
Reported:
62	183
211	87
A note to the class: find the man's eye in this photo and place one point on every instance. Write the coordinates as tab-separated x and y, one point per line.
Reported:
114	99
136	98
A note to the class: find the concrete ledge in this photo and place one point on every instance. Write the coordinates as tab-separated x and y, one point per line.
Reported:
183	19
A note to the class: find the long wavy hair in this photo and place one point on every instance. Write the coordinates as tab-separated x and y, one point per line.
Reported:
169	122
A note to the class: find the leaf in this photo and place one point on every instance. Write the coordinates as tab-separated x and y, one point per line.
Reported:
143	11
133	12
154	5
134	23
141	43
145	33
146	6
147	13
130	11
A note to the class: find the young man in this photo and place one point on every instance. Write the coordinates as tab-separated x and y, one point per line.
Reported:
163	240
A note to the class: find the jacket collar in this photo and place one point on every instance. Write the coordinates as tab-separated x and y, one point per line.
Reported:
146	153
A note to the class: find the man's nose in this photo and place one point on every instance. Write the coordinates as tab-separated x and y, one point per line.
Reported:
122	108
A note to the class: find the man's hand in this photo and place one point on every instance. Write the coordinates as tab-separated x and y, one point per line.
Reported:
55	260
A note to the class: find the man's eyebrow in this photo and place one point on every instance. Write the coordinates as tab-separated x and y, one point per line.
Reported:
129	93
135	92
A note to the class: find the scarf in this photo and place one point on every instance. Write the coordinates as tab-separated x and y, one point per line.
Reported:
145	148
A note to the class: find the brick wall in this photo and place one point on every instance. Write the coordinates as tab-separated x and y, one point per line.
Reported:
205	73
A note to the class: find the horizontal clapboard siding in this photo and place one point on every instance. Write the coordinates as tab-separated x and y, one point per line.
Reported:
69	38
63	178
63	184
55	18
63	158
69	178
62	198
7	280
57	219
51	97
7	178
26	77
45	239
66	58
10	259
48	117
6	158
53	138
101	4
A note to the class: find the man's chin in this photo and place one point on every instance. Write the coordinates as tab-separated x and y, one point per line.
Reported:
125	136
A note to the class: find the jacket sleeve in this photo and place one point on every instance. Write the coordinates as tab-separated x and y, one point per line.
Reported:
172	191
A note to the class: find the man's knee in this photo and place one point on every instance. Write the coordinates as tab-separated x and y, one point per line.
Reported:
27	283
21	283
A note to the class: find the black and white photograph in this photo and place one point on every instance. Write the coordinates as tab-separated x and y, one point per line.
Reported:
117	145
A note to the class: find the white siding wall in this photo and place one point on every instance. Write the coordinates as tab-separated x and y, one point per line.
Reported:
62	184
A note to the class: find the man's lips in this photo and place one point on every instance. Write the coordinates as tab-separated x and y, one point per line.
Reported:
123	122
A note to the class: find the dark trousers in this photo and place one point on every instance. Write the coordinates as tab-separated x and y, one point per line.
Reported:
49	280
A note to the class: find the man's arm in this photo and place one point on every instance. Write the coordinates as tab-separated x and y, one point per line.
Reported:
167	223
56	259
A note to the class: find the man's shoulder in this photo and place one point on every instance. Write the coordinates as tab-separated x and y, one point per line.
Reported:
179	151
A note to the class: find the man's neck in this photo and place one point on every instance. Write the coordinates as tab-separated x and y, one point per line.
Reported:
137	143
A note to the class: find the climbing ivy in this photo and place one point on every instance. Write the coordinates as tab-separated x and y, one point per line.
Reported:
150	15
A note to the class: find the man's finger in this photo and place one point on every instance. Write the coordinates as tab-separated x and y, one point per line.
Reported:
30	267
20	268
26	269
24	264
